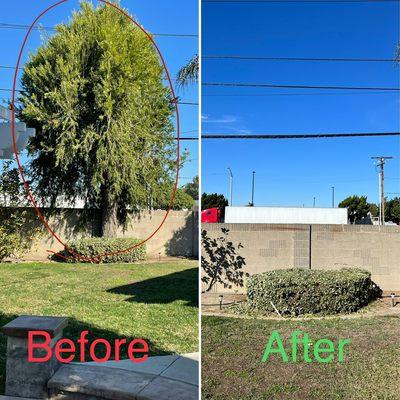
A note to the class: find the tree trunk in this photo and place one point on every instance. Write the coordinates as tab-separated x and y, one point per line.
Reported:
109	220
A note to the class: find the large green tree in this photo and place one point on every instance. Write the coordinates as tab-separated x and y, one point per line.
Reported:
357	207
94	92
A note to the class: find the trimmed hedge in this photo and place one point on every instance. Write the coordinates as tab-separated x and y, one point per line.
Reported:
301	291
92	247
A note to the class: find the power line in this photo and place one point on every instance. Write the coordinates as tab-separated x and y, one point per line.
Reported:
318	59
7	67
292	136
293	94
267	85
49	28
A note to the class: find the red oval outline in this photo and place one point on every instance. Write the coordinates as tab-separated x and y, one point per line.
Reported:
20	169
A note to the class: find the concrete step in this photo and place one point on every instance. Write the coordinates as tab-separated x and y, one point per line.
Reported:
184	368
91	382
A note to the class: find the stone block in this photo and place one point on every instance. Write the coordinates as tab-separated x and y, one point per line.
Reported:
24	378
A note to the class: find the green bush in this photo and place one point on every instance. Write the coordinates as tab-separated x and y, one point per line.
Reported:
9	244
301	291
92	247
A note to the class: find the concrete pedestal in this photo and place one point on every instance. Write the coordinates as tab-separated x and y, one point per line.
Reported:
24	378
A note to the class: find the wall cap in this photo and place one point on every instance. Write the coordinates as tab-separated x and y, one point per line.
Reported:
20	326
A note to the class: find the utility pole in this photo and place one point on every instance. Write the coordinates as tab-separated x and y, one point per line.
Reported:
333	196
313	202
381	160
252	189
230	187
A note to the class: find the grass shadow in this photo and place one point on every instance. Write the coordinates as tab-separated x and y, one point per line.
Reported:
182	285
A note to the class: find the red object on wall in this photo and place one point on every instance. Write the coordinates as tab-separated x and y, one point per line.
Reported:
211	215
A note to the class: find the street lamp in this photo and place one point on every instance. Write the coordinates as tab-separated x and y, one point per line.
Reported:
230	187
252	189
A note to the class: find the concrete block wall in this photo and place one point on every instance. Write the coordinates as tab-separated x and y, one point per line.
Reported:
177	237
273	246
374	248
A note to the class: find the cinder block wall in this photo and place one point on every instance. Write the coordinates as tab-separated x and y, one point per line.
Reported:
177	237
274	246
374	248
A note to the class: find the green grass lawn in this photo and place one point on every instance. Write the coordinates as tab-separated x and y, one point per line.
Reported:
232	369
153	301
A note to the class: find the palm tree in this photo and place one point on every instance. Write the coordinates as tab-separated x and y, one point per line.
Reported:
189	73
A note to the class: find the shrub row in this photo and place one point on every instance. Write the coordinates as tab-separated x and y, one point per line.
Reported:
93	247
301	291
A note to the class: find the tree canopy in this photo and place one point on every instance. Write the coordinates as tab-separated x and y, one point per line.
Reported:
357	207
182	201
94	92
189	73
392	210
213	200
192	188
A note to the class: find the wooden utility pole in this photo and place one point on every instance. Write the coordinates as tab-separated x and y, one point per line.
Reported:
381	160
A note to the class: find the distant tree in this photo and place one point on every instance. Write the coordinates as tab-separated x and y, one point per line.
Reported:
182	200
192	188
220	262
392	210
374	209
189	73
213	200
357	207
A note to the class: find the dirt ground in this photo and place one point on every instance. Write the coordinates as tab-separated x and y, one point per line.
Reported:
210	306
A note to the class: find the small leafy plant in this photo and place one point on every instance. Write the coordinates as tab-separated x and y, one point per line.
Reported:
219	261
18	226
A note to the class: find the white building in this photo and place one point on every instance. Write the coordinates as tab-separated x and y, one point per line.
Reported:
286	215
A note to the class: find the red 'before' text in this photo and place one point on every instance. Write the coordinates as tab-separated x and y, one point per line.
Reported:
65	350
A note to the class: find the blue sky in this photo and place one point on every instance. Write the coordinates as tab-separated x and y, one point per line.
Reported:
174	16
292	172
